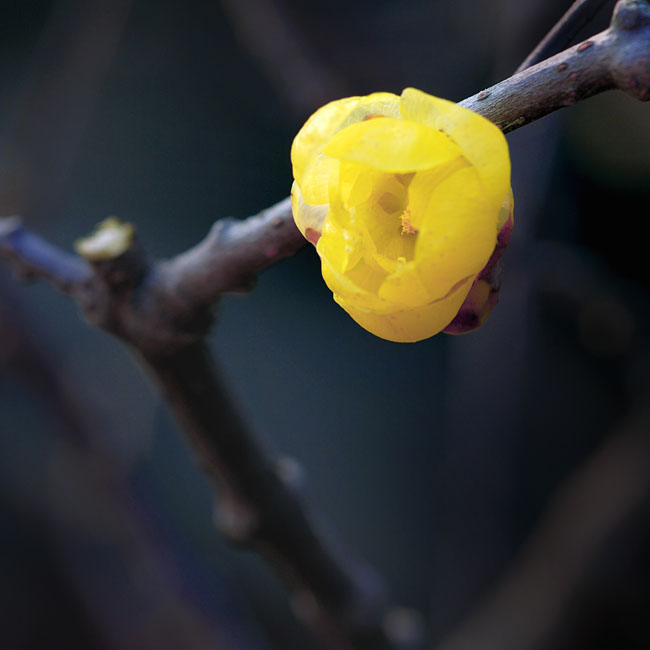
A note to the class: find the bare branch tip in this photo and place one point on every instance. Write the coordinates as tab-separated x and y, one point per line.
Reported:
110	239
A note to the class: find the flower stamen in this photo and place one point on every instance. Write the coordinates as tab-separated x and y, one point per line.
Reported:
407	227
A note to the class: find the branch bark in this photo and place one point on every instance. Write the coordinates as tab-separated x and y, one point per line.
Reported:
618	57
564	31
34	258
91	498
259	506
162	310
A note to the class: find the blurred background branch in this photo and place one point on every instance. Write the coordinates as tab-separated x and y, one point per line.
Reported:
593	520
615	58
267	31
94	509
564	31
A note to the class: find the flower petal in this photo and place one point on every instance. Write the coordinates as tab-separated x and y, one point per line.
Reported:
409	325
316	179
350	289
392	145
458	232
330	119
308	218
481	142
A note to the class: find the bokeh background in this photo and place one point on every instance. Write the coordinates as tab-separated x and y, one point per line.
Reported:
499	482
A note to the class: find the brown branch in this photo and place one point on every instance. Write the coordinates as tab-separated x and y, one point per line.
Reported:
92	495
136	300
259	506
162	310
235	250
34	258
564	31
619	57
232	254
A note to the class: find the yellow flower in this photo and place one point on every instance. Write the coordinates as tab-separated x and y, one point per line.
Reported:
403	198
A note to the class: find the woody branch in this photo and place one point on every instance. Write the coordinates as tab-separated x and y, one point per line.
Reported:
162	310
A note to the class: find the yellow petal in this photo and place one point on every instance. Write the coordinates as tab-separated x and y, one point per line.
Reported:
351	289
392	145
373	105
481	142
333	117
319	172
308	218
342	247
316	131
423	184
507	208
408	325
356	183
405	287
458	232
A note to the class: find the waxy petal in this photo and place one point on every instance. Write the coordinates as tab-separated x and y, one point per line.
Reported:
405	210
392	145
481	141
408	325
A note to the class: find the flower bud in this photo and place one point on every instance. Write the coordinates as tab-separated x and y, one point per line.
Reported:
403	198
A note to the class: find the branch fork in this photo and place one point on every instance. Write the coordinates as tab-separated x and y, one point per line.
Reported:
163	310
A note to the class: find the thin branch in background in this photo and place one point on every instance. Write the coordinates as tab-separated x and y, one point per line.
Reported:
266	29
616	58
564	31
260	507
92	496
592	513
39	259
599	511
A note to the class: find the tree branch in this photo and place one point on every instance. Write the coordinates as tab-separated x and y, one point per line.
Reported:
259	506
232	254
34	258
91	497
122	292
564	31
162	310
619	57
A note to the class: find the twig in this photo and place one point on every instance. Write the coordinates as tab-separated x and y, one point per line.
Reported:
259	505
36	258
543	588
267	30
137	301
618	57
86	465
232	255
162	310
564	31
